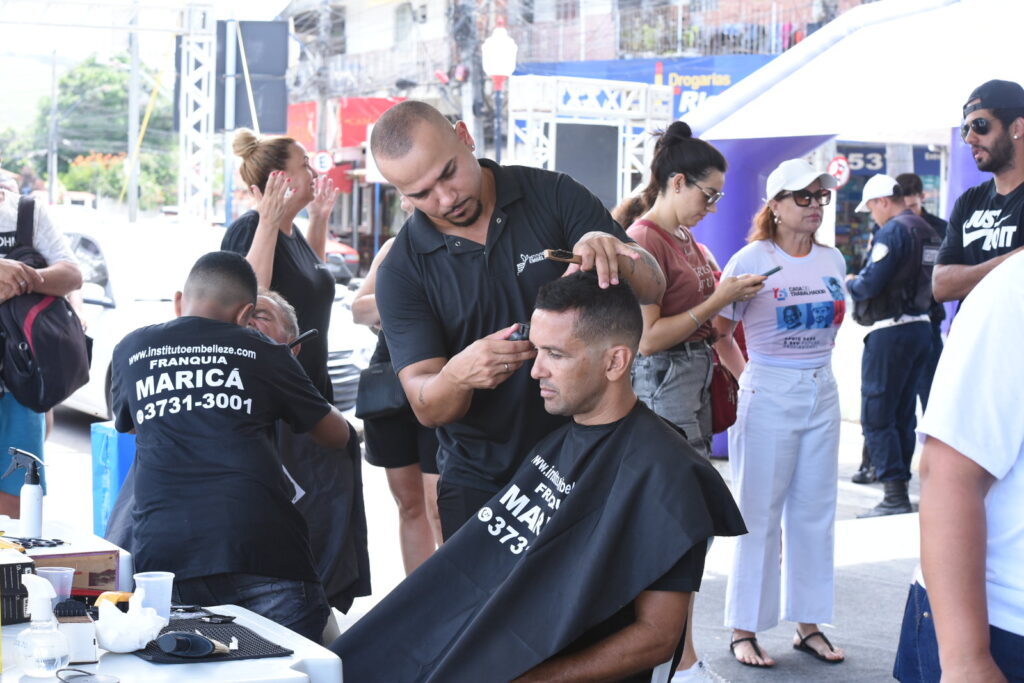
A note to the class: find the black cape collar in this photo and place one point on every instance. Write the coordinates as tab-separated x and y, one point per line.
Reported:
634	510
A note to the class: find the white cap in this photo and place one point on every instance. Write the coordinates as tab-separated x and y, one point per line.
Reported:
796	174
879	185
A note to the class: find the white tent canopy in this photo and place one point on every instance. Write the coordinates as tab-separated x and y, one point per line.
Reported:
893	71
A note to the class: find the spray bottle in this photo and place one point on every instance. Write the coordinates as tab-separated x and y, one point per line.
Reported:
42	648
31	492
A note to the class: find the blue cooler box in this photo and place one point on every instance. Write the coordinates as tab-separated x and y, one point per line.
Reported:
112	455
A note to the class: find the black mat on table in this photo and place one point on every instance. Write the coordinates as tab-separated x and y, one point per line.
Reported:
250	645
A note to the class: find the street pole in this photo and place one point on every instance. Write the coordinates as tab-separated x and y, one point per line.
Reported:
51	157
467	40
499	62
230	76
133	120
499	92
324	37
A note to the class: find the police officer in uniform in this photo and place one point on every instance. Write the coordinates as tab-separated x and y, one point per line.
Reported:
892	295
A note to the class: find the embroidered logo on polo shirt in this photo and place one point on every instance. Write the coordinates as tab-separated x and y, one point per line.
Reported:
524	260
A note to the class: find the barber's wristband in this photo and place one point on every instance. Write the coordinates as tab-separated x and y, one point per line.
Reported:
694	318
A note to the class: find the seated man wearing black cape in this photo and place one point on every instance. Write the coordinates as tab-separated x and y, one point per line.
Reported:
582	566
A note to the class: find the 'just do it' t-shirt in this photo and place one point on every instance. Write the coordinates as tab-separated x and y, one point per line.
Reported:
793	321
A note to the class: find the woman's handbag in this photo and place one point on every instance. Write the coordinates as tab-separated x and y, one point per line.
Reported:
725	392
380	393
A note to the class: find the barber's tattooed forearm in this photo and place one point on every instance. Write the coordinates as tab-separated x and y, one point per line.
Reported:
651	264
419	396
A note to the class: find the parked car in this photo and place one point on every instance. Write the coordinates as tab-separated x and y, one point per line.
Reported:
131	272
349	348
336	263
342	260
348	255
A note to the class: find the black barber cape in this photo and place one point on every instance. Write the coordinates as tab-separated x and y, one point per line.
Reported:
328	490
585	525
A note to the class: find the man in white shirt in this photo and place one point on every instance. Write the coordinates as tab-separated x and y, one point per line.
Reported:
20	426
972	483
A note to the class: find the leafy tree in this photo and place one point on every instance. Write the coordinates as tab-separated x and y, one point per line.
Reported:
92	106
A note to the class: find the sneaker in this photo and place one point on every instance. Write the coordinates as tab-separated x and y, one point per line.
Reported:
699	672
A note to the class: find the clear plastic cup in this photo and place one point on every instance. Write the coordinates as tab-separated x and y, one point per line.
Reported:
158	591
61	578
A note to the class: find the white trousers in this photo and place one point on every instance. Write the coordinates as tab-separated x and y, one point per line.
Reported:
783	453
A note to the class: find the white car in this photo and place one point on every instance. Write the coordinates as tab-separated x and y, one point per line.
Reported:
131	272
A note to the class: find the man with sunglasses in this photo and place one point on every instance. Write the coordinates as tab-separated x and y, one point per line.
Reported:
892	296
984	227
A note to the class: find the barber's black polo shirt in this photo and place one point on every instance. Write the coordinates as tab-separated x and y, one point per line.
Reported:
438	293
210	493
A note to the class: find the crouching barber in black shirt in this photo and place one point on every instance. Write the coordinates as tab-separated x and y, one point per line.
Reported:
582	565
202	393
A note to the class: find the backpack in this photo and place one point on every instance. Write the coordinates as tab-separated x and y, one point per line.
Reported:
44	352
910	292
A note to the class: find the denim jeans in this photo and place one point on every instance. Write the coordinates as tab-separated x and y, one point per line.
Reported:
924	385
298	605
891	367
677	386
917	656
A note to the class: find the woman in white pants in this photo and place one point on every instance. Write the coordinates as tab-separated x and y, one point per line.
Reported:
784	447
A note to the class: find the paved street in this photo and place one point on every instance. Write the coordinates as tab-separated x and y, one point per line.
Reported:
875	561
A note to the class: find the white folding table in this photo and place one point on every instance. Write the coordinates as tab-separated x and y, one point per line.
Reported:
309	661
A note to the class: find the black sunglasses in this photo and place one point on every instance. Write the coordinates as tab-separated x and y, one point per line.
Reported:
980	125
803	197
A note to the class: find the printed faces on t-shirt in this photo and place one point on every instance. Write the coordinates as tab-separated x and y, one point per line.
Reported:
818	315
794	319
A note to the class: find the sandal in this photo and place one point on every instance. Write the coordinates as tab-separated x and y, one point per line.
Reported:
804	647
757	650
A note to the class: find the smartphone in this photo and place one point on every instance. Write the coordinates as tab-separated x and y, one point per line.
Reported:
308	334
772	271
522	333
562	255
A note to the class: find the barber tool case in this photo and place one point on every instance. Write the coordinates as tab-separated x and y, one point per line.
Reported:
95	571
13	595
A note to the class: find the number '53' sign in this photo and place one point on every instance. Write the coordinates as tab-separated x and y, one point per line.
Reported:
869	161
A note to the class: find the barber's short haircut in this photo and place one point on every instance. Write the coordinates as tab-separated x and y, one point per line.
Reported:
392	134
611	314
910	183
222	277
291	320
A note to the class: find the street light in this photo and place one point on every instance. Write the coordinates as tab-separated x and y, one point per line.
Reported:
499	58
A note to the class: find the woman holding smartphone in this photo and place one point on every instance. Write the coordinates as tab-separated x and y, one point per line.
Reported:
672	373
784	447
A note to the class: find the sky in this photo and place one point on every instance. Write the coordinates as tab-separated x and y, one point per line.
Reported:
29	40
